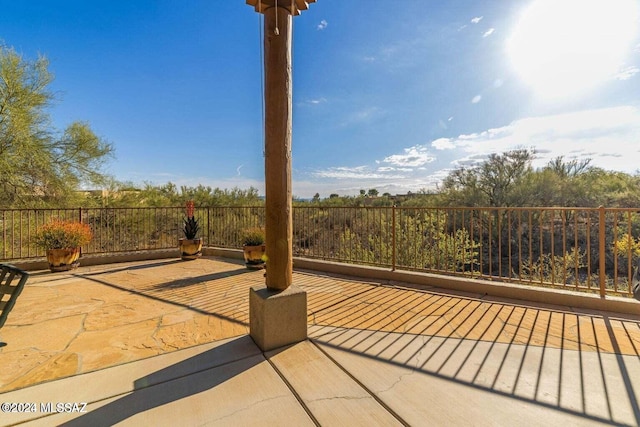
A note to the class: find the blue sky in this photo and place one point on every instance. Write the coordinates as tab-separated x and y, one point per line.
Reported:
387	95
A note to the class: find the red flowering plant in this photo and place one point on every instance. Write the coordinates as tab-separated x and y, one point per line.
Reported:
191	226
59	234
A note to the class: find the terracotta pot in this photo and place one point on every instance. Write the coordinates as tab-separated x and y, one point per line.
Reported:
63	259
254	257
190	248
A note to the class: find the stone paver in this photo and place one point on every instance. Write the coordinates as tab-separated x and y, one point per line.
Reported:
95	317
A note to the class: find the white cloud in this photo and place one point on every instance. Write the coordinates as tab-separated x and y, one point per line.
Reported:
349	180
627	73
476	19
476	99
322	25
315	101
393	169
607	135
385	168
415	156
443	144
357	172
488	32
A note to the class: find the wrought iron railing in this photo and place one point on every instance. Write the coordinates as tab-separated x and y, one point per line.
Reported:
583	249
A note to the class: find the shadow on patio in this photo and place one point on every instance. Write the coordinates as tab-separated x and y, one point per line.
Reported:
202	372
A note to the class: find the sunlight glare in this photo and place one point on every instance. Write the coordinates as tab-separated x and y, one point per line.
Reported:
565	48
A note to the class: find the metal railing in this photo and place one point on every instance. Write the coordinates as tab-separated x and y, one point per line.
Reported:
583	249
125	229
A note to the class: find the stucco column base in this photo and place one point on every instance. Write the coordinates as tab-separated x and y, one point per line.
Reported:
277	318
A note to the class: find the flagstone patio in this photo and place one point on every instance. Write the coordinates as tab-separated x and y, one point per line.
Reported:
74	322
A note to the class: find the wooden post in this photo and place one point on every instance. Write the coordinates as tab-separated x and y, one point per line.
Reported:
277	145
278	124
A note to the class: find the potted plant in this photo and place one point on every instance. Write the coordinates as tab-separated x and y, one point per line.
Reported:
254	248
190	245
63	241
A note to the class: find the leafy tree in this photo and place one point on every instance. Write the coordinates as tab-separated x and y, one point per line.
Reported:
610	189
559	183
509	180
39	165
576	183
569	169
492	183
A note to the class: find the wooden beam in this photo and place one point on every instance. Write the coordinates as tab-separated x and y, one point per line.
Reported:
298	5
